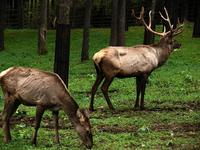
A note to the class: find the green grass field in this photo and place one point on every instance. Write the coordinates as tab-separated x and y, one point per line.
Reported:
171	119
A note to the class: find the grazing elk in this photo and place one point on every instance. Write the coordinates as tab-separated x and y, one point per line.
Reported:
45	90
137	61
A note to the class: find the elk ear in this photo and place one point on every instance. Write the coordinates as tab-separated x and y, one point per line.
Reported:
80	115
87	113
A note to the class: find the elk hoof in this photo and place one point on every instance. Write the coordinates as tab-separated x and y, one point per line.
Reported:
142	108
57	140
136	107
34	143
91	109
112	108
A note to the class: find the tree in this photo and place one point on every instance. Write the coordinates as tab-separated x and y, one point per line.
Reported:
113	35
85	44
121	22
42	28
2	23
62	47
196	29
118	23
184	8
20	9
128	13
149	36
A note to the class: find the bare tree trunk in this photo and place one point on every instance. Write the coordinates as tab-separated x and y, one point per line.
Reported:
2	23
42	28
149	36
113	35
121	22
128	14
85	44
196	29
19	8
62	47
183	10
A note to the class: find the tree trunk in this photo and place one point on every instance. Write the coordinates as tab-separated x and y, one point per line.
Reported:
196	29
183	10
113	35
62	47
85	44
149	36
20	14
2	23
42	28
121	22
128	14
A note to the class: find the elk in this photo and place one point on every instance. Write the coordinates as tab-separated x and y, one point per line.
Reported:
138	61
45	90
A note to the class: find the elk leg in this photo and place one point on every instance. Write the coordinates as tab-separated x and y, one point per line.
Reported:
9	109
38	117
55	116
94	89
138	90
104	89
143	87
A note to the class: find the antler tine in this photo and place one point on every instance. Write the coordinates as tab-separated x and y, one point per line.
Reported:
167	18
150	19
141	13
141	17
148	27
178	30
178	22
164	29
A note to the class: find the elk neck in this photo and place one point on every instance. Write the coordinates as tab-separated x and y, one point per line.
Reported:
163	52
70	107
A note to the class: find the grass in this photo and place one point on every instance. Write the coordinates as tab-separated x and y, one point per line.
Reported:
172	116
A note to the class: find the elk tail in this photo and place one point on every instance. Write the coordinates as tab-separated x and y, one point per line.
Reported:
97	58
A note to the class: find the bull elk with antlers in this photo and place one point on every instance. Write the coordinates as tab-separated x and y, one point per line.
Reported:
137	61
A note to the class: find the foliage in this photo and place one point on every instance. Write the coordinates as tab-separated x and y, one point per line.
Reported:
172	116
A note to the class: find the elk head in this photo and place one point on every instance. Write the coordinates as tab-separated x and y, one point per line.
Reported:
83	128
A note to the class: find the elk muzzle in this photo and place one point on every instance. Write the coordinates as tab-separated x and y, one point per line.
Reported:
176	44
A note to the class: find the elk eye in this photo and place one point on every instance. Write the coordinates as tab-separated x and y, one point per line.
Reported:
88	132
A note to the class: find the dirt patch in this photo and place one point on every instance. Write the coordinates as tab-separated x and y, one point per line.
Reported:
160	107
106	113
117	129
177	105
30	121
158	127
185	128
88	93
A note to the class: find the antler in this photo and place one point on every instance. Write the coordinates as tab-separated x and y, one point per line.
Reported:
179	29
167	18
141	17
175	31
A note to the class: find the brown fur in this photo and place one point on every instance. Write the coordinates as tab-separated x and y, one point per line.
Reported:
45	90
137	61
